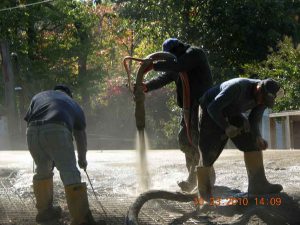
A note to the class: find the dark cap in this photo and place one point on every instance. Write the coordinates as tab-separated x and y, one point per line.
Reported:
170	44
269	85
269	88
64	88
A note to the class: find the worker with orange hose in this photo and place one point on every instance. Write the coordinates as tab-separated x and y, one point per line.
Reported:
191	62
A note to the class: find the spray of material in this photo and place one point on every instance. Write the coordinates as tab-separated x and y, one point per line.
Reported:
139	97
142	165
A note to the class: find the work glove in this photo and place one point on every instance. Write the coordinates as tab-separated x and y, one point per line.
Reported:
143	86
261	143
232	131
82	163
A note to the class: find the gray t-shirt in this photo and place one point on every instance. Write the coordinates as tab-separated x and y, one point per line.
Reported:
232	98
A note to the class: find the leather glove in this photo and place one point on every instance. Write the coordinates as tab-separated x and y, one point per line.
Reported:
261	143
82	163
145	89
232	131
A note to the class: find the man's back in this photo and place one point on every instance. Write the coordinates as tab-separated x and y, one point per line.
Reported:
55	106
235	95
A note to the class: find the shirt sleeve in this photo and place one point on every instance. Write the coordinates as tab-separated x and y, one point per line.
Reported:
161	80
80	122
222	100
188	61
255	118
81	142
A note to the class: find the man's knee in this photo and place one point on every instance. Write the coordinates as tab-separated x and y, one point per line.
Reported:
41	175
245	143
209	157
70	177
43	171
188	150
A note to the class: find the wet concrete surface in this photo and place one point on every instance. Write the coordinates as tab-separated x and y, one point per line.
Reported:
115	180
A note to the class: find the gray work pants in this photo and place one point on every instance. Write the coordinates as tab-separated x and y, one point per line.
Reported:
52	145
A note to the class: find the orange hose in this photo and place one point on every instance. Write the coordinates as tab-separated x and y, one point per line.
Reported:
186	105
127	58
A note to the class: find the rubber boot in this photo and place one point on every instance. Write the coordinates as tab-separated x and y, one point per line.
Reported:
43	191
190	183
257	181
78	205
205	182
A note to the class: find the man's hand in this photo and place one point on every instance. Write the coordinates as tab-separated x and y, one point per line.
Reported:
80	138
261	143
232	131
82	163
143	86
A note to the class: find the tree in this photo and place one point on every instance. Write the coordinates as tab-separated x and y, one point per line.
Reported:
283	66
232	32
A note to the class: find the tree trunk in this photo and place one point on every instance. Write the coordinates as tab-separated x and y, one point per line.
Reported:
10	103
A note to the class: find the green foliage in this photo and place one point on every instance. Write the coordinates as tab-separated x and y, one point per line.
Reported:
239	32
83	45
164	18
233	32
282	65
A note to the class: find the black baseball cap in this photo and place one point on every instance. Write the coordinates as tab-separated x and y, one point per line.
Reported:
170	43
269	89
64	88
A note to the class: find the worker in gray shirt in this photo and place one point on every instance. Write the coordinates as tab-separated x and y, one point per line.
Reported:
52	117
222	117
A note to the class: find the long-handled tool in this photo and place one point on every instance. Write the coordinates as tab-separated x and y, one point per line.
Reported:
95	194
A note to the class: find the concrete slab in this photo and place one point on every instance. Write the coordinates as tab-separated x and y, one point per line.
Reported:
115	179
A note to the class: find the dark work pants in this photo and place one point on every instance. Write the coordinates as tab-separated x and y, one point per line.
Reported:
212	138
191	152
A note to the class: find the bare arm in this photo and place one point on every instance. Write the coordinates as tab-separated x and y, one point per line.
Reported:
81	143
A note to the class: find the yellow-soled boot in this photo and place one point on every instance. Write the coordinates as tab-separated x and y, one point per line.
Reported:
43	191
257	181
78	205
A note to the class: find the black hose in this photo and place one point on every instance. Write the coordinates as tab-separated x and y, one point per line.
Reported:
134	209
